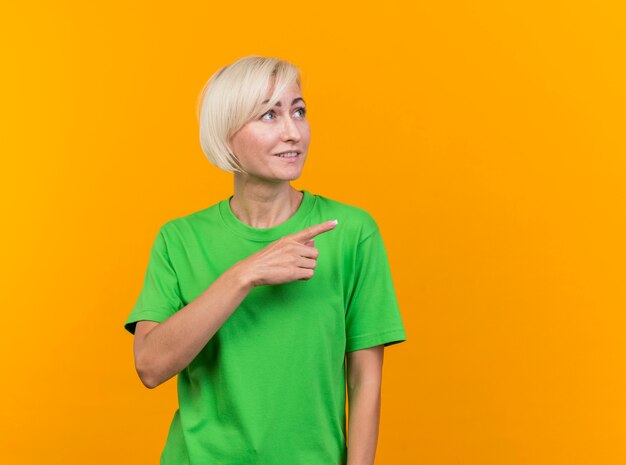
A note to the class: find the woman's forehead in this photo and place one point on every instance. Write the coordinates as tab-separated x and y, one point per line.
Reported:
291	92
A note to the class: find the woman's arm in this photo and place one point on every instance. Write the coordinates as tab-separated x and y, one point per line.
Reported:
164	349
364	386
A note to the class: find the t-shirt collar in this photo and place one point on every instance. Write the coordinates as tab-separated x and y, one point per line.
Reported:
293	224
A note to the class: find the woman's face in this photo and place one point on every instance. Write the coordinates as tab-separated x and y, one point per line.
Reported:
285	130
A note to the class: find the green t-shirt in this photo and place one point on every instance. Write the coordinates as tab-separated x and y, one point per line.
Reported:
269	387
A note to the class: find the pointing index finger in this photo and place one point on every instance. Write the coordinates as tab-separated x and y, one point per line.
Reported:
312	231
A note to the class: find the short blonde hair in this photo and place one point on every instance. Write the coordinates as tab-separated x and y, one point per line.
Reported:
233	96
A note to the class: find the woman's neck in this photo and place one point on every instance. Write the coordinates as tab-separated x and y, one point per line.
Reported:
264	205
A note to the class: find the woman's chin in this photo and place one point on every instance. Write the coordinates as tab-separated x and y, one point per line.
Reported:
288	173
291	176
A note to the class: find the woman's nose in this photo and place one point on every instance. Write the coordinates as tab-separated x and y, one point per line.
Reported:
290	130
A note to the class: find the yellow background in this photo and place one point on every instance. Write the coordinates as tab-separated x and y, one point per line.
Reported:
486	138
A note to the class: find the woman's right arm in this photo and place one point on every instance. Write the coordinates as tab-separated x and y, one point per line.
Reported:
164	349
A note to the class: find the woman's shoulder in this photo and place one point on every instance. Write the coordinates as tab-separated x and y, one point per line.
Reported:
350	216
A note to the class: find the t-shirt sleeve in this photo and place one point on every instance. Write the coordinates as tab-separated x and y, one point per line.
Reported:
372	315
160	296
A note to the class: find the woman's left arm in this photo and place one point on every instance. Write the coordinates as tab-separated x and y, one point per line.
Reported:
365	368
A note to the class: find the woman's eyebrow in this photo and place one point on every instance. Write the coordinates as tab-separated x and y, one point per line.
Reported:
278	104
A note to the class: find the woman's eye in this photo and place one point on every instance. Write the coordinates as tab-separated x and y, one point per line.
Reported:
269	113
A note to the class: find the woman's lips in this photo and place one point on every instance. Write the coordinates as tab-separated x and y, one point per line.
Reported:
290	158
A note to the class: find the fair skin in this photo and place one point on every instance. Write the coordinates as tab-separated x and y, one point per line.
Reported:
263	198
364	383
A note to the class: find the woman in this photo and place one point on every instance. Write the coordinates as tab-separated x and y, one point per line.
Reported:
260	302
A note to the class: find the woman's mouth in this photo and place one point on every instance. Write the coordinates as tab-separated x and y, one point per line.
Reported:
288	156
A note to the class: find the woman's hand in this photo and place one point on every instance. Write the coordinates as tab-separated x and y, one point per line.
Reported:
288	259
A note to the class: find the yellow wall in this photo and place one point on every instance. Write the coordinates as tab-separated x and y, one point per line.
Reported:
486	138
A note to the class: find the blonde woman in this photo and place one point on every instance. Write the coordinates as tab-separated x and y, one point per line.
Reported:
269	303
